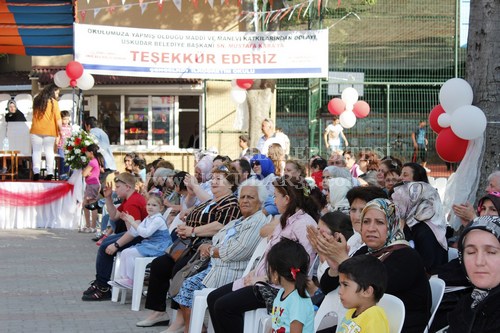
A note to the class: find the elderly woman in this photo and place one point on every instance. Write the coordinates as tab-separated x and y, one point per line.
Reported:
228	303
420	209
384	239
231	247
203	222
479	248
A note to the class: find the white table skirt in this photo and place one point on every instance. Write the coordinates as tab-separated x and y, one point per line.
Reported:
64	212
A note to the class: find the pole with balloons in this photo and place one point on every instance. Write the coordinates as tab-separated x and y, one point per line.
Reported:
456	120
239	89
460	127
75	76
348	108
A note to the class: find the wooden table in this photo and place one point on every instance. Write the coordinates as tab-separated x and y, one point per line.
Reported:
12	156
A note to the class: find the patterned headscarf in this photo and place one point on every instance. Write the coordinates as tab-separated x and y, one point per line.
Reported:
394	232
489	224
419	202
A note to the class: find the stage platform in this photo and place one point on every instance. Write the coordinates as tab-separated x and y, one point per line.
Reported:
41	204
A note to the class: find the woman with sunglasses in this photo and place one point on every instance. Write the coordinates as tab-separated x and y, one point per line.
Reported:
230	249
201	224
228	303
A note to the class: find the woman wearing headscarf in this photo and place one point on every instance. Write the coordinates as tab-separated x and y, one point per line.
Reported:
420	208
479	252
263	169
337	182
14	114
384	239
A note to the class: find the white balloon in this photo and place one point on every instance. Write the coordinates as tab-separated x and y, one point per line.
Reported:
468	122
444	120
86	81
350	95
347	119
238	95
455	93
61	79
23	97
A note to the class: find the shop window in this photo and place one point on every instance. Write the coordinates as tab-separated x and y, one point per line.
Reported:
109	117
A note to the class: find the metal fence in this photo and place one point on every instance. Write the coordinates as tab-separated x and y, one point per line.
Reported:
399	54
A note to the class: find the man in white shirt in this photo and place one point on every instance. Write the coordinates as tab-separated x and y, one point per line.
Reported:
269	137
103	143
333	133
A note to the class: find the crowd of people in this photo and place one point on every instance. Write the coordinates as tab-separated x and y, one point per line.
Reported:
360	223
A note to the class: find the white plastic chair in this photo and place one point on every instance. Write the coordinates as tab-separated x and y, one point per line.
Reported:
200	296
330	307
139	273
437	290
395	312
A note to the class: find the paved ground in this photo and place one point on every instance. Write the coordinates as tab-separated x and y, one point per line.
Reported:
43	273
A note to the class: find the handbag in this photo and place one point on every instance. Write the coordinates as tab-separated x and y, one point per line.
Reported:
179	248
195	265
266	294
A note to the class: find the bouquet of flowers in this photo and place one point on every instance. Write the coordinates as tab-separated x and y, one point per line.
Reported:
74	150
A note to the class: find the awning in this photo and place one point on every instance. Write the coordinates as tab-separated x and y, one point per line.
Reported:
45	75
36	27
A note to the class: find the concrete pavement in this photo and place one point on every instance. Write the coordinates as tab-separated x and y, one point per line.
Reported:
43	273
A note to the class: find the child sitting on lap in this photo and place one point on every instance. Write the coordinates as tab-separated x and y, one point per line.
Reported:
363	280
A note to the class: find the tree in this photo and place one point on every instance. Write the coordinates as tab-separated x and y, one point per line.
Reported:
260	97
483	74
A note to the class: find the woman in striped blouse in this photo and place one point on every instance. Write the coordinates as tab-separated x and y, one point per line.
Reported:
202	223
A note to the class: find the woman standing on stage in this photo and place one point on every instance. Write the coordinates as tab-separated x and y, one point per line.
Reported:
45	128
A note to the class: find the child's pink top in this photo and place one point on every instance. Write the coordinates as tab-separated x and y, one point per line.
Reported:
65	133
93	177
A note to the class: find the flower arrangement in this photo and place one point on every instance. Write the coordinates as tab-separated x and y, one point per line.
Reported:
75	147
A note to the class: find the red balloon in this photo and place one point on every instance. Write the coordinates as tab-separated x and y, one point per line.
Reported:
450	147
433	118
73	83
361	109
74	70
244	83
336	106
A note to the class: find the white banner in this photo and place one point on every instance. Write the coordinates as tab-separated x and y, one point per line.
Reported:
201	54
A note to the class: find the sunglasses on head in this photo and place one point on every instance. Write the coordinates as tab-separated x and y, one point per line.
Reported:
495	194
223	168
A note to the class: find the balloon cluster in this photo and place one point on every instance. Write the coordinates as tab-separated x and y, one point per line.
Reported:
348	108
455	120
74	76
239	90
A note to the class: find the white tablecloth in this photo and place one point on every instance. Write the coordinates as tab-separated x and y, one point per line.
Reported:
64	212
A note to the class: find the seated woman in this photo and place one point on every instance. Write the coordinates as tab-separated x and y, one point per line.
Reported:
384	239
420	209
228	303
231	248
452	273
203	222
479	248
414	172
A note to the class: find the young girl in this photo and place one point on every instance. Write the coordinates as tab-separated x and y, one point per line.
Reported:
92	187
293	310
156	239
